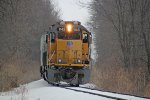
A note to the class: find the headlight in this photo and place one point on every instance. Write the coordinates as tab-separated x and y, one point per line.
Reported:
59	60
69	28
78	60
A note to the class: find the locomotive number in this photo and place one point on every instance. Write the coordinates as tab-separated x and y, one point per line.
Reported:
61	29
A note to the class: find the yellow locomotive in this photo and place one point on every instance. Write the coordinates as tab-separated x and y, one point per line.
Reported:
66	53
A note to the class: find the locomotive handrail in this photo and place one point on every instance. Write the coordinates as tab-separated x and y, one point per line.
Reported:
52	55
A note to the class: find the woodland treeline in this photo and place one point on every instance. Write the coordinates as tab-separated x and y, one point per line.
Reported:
122	34
21	24
122	37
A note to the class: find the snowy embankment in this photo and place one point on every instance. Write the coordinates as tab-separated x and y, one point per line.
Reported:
41	90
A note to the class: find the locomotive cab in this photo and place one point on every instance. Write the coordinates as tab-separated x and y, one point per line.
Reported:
65	53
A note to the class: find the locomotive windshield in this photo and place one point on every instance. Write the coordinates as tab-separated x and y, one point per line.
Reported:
72	36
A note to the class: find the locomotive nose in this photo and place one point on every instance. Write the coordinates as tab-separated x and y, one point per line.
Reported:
69	52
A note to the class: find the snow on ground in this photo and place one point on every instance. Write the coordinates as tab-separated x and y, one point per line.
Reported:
127	97
41	90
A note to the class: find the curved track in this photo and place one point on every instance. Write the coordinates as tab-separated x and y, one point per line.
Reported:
100	93
92	93
115	92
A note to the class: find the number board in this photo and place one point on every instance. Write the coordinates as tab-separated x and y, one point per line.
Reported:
74	29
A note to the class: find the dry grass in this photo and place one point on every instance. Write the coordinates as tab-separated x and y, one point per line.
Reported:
15	73
9	78
22	90
147	90
119	79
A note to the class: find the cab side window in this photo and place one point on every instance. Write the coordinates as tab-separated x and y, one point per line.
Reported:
85	38
60	35
52	37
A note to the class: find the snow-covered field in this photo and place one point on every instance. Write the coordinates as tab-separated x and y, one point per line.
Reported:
41	90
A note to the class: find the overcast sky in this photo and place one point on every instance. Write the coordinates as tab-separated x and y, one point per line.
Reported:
71	10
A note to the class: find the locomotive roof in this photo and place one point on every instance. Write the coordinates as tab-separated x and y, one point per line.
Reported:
54	27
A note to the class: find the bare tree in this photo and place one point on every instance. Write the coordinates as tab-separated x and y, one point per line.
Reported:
21	25
125	17
145	28
122	30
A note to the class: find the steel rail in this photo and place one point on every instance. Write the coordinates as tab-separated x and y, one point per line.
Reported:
97	94
115	92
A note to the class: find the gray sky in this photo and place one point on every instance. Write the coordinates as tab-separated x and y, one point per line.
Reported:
71	10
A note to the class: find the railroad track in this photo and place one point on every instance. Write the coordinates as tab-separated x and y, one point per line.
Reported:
115	92
95	92
92	93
